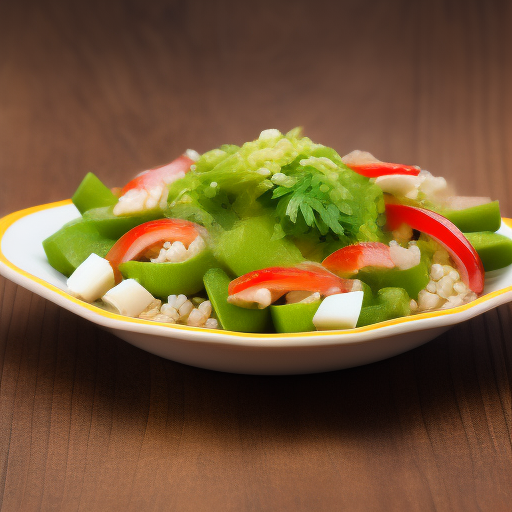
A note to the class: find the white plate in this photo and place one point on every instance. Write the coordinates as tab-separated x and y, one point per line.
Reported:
23	261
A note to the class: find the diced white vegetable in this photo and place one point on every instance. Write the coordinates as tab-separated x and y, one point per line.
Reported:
128	298
340	311
92	279
432	186
400	185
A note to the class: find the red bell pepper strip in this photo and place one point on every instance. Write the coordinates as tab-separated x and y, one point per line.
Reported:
367	165
447	234
280	280
150	234
160	175
352	258
374	170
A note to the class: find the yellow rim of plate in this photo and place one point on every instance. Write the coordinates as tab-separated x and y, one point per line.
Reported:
10	219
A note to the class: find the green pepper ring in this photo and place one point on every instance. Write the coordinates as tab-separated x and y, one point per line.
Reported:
164	279
294	317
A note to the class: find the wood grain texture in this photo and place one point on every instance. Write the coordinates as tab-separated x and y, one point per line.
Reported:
89	422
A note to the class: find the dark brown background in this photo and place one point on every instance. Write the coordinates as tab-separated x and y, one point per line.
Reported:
91	423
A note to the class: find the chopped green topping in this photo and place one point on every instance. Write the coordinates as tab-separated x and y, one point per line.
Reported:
310	191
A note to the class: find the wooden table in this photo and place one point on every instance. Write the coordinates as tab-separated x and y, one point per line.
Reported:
89	422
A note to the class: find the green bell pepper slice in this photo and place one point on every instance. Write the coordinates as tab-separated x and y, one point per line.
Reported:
231	317
92	193
164	279
494	250
299	317
412	280
484	217
72	244
115	226
388	304
294	317
249	246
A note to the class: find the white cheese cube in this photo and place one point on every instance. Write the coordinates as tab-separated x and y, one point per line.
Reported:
128	298
92	279
340	311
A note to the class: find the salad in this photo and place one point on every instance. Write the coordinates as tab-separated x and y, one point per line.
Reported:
281	235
